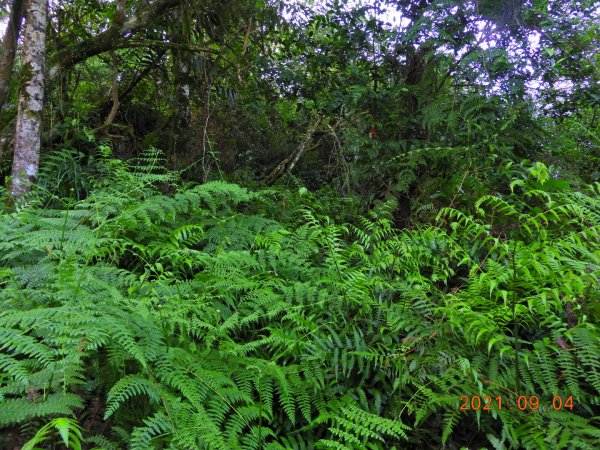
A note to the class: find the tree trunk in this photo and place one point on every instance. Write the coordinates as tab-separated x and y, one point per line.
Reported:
183	89
181	138
31	98
415	70
9	47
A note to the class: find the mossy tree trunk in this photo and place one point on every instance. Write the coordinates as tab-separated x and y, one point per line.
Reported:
9	47
31	98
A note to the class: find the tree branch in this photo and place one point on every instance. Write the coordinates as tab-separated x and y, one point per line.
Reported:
288	163
114	91
474	47
116	36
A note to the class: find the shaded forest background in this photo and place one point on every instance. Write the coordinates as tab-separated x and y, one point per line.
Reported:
342	216
232	89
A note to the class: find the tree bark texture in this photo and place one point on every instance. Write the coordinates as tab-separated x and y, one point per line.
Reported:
31	99
9	47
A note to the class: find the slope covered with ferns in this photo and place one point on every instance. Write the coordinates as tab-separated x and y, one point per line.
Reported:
156	315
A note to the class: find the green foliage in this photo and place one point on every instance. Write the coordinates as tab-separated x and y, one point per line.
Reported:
68	430
433	241
188	320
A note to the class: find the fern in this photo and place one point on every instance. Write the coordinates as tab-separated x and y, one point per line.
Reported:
197	323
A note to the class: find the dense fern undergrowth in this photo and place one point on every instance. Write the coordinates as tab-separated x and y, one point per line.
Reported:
156	314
